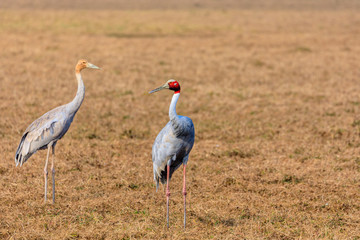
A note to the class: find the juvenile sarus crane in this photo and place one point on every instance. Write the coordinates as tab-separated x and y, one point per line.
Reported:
45	131
172	146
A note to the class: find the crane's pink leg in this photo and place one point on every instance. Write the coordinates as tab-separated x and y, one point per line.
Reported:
184	193
45	171
167	195
53	173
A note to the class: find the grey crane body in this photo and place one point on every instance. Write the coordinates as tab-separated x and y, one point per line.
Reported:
172	146
45	131
49	128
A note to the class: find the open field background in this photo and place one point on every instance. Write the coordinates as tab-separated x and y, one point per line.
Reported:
273	93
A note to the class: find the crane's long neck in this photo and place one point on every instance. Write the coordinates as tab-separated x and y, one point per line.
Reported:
172	110
75	104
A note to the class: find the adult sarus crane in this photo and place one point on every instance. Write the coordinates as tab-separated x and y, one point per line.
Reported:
45	131
172	146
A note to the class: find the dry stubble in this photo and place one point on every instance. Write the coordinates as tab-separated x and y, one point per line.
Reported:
273	95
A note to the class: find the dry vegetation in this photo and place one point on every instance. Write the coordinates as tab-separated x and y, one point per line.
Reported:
274	95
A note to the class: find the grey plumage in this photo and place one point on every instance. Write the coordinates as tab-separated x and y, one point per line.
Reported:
172	146
50	127
45	131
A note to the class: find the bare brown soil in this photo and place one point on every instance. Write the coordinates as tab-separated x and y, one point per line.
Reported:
274	96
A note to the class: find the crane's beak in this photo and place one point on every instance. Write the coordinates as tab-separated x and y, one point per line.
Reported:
90	65
165	86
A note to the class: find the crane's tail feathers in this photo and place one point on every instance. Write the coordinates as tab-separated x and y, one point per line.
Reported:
156	179
161	176
18	160
20	157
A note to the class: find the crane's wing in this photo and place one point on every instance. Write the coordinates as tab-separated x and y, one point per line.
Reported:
161	151
50	127
172	144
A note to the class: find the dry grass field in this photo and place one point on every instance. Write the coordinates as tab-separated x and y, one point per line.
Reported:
274	95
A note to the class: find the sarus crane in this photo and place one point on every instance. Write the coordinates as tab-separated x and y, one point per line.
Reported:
172	146
45	131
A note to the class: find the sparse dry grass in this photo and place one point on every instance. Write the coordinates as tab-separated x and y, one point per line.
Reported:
274	96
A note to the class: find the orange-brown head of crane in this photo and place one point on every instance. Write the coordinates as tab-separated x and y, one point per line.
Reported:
84	64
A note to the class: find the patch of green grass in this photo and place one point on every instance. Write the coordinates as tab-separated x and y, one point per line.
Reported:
107	114
229	181
299	150
74	235
240	153
133	186
2	170
142	212
339	133
269	134
245	214
355	123
303	49
258	63
133	134
330	114
291	179
239	95
230	222
336	221
275	219
92	136
127	92
356	103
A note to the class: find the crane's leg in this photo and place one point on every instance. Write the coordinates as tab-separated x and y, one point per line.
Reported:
184	193
45	170
53	173
167	194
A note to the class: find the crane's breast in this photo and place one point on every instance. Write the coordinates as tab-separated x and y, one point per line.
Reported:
170	143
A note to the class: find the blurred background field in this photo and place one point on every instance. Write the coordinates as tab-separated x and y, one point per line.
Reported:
272	88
